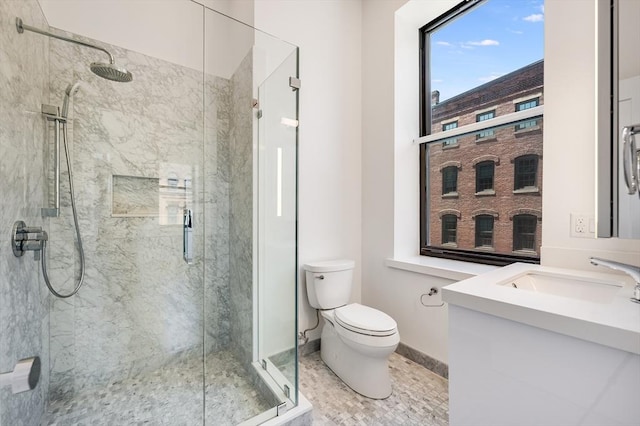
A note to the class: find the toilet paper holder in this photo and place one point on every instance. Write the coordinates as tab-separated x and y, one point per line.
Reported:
24	377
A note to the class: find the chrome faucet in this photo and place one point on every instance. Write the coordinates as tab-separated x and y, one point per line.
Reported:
633	271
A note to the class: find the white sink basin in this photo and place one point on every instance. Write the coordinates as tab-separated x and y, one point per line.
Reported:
581	288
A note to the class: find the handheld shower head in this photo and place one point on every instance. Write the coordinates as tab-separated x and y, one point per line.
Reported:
70	92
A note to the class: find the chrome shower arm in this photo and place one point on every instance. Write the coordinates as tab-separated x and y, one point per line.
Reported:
20	26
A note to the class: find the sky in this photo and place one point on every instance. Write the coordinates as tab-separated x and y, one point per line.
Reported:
493	39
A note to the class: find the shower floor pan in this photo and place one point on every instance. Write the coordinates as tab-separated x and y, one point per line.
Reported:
171	395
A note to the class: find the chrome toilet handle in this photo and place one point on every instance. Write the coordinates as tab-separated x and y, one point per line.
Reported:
320	277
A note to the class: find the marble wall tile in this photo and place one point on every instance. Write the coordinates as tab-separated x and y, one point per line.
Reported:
139	313
24	319
140	304
135	196
217	292
24	57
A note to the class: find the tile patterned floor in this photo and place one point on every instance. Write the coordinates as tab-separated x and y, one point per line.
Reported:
172	396
169	396
419	396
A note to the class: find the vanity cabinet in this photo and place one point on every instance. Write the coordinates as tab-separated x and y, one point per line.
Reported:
503	372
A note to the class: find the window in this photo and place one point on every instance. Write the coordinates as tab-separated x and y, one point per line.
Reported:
526	169
484	176
486	116
524	232
483	117
484	231
449	226
521	106
449	126
449	180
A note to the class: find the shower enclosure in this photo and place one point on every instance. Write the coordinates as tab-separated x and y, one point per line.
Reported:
185	190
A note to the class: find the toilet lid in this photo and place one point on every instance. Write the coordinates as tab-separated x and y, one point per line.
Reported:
365	320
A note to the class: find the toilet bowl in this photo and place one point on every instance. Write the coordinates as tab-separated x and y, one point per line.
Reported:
356	340
358	353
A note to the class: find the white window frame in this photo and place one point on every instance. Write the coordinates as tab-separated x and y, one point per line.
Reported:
499	121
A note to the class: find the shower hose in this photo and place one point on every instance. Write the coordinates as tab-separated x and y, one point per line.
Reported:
75	222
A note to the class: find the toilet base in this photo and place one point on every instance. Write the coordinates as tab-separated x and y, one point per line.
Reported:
367	374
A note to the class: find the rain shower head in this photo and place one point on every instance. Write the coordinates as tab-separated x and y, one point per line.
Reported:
111	72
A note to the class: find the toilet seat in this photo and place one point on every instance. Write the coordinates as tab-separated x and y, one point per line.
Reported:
365	320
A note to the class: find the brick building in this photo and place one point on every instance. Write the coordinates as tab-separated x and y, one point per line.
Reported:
486	188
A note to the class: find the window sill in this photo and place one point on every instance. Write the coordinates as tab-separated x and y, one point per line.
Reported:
486	193
528	190
450	195
452	146
455	270
486	139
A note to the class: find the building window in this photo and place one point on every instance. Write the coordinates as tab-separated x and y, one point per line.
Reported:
449	180
524	232
526	170
521	106
449	227
471	100
484	231
484	176
483	117
450	141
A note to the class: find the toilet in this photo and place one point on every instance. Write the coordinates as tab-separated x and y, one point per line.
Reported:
356	340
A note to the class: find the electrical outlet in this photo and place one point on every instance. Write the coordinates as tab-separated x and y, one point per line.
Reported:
582	225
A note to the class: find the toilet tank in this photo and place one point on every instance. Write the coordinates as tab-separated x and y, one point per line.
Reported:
329	283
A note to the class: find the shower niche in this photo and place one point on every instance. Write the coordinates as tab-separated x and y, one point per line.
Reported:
135	196
163	198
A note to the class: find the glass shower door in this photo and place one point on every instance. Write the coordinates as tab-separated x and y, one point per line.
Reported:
277	226
235	381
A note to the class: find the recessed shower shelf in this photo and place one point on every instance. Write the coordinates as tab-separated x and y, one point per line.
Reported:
139	196
135	196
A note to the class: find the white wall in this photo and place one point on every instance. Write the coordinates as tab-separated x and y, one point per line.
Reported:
169	30
328	33
390	221
163	29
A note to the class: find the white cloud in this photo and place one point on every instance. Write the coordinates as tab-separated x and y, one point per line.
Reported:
515	31
536	17
443	43
484	43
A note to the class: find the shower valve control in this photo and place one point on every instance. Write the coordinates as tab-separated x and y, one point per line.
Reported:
27	238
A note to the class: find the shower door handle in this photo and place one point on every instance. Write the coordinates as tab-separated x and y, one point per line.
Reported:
631	158
187	236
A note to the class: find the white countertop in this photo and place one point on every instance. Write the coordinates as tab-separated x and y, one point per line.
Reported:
615	324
